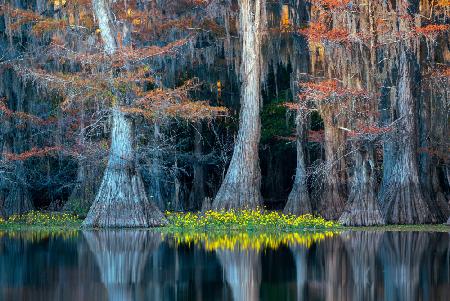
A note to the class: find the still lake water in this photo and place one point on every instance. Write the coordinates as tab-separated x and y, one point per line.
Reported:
144	265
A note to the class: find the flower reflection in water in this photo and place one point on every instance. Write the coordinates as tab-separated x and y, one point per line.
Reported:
240	255
249	241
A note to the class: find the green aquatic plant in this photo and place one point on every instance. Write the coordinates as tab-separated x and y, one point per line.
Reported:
245	220
41	219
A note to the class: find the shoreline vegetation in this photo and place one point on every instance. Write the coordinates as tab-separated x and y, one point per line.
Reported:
210	222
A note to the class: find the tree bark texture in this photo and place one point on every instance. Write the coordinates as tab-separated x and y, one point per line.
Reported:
121	200
400	195
85	190
241	186
362	207
334	194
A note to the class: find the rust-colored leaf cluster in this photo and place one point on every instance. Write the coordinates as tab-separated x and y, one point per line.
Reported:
431	30
32	153
174	103
318	33
372	130
331	4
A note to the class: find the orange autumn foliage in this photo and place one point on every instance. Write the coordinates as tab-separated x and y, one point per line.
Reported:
32	153
331	4
431	30
317	32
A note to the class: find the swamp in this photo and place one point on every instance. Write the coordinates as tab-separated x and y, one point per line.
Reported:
224	150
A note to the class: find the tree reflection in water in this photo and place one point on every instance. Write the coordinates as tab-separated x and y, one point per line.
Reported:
144	265
121	257
301	266
242	271
402	255
362	248
338	277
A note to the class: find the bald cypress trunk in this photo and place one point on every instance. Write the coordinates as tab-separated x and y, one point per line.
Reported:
433	131
121	200
362	207
401	196
298	201
334	195
241	186
18	200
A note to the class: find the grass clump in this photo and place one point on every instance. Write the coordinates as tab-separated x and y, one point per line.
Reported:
245	220
41	219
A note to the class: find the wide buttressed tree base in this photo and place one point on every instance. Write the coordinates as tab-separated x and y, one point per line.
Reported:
121	200
401	196
362	207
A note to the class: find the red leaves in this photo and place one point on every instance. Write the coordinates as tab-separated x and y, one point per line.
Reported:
32	153
331	89
317	32
174	103
332	4
431	30
369	130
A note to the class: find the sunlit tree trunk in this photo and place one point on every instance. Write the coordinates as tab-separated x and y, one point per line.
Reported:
241	186
298	201
121	200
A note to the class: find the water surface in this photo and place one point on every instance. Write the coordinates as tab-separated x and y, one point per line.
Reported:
144	265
